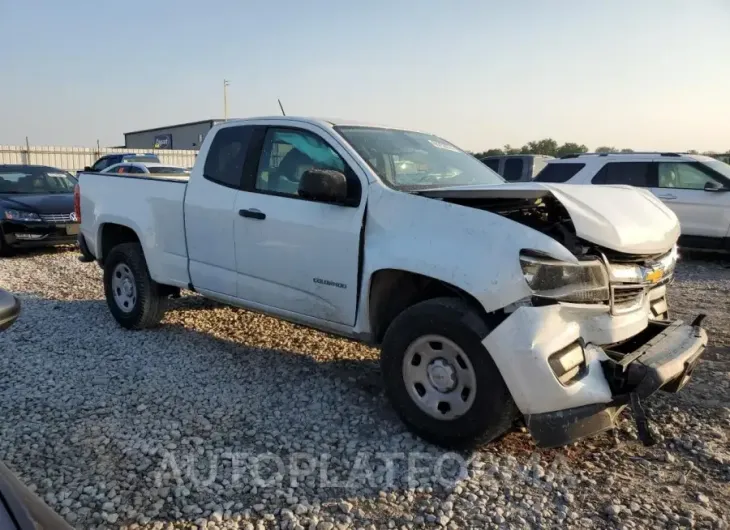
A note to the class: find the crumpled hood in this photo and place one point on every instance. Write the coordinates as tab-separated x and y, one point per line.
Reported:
622	218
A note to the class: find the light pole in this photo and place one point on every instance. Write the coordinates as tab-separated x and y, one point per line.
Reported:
225	99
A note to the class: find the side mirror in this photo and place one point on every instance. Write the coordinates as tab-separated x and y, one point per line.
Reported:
712	186
323	185
87	168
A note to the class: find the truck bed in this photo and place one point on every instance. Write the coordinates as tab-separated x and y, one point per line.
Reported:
152	205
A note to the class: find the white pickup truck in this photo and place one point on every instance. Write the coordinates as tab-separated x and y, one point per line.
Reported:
490	302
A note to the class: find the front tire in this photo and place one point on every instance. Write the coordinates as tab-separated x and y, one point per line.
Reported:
134	299
440	379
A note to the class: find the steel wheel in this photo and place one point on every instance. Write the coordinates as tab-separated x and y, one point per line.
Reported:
124	287
439	377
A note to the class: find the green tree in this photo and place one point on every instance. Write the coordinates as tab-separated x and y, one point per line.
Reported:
509	150
569	148
627	150
606	149
546	146
489	152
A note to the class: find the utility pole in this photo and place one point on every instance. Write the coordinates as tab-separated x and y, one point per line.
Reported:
225	99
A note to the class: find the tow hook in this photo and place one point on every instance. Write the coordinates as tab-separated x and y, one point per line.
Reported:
642	422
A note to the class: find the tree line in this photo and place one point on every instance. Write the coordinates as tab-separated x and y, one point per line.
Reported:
548	146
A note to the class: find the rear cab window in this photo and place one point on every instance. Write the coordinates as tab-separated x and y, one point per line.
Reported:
559	172
492	163
513	168
226	156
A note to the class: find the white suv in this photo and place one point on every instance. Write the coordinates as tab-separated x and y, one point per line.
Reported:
693	186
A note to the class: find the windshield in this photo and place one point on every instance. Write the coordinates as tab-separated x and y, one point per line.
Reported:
38	180
719	166
167	169
409	160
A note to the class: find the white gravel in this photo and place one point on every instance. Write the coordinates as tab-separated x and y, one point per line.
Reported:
226	419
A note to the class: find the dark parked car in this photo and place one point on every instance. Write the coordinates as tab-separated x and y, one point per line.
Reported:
36	207
20	508
517	168
117	158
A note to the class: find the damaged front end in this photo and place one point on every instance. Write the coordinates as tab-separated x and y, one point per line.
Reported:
662	357
595	336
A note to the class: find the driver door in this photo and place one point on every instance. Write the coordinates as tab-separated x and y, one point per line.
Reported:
702	213
294	254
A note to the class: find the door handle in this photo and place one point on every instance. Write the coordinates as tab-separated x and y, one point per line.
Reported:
667	197
253	213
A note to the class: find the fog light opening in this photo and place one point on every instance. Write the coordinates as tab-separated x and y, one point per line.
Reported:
569	363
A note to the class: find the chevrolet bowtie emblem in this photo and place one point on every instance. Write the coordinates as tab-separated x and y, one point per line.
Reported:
654	275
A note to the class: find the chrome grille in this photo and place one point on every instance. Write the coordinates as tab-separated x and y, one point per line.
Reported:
626	298
632	280
56	217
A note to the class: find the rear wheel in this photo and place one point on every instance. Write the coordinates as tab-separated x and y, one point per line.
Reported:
135	300
439	377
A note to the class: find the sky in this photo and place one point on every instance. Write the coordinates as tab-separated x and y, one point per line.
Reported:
645	74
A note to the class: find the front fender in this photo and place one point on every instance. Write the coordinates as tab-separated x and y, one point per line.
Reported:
474	250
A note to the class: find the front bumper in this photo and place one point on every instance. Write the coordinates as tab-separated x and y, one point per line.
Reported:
32	234
662	356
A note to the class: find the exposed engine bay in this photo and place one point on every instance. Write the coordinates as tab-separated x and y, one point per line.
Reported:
545	213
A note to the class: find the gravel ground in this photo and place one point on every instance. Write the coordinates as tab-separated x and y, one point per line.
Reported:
227	419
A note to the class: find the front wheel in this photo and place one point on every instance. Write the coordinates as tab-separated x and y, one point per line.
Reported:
134	299
440	379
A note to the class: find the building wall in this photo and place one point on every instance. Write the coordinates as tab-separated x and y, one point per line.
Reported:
76	158
183	136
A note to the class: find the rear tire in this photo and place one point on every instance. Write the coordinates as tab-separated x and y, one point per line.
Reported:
134	299
457	397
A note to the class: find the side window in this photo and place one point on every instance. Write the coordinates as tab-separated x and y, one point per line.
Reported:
513	169
627	173
227	153
686	176
134	169
493	164
287	154
100	164
559	172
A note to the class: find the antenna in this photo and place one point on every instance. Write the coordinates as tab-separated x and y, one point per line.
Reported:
281	107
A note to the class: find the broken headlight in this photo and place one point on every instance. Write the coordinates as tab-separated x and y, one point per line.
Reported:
584	282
